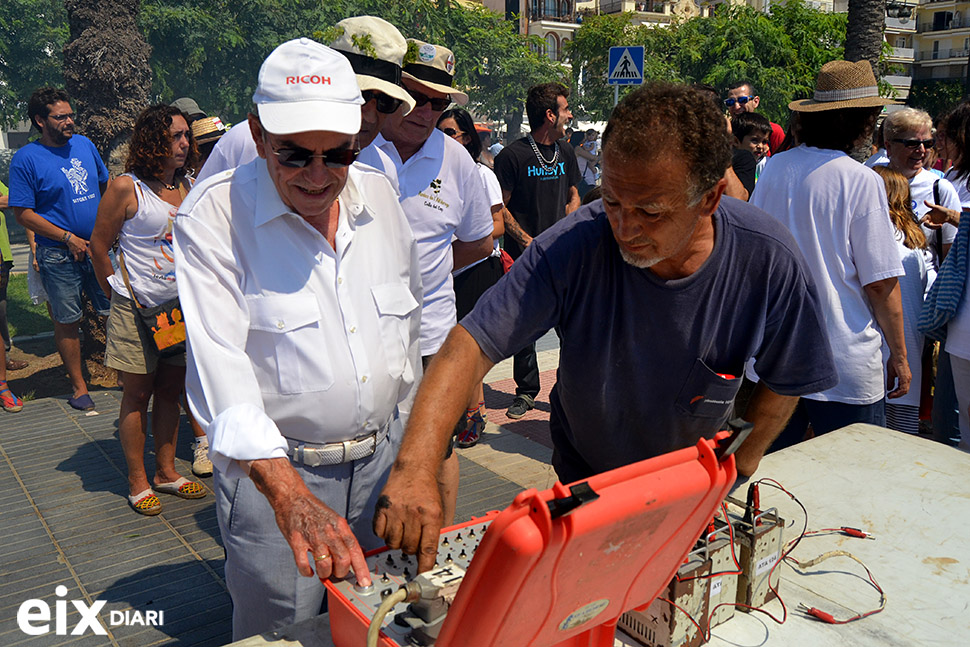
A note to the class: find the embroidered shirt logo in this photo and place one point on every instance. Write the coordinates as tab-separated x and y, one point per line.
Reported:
436	185
77	175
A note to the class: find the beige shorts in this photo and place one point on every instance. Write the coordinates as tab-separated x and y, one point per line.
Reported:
128	347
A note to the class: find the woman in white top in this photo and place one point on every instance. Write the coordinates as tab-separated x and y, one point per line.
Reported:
909	140
472	281
138	211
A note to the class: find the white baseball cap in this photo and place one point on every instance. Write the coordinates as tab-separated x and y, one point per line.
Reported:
304	86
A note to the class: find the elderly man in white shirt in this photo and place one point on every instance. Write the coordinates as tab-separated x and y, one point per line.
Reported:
300	283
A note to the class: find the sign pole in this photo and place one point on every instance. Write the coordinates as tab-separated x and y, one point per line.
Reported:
625	68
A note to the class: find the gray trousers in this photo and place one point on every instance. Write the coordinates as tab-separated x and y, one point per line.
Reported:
267	591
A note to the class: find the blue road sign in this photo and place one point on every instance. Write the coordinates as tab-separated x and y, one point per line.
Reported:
626	65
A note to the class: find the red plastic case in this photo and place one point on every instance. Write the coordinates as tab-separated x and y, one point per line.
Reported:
541	581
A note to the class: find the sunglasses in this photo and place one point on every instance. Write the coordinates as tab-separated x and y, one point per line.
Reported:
738	100
386	104
914	143
436	104
300	157
64	117
451	132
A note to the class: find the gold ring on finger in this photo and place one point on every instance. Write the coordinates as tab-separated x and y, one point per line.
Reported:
321	558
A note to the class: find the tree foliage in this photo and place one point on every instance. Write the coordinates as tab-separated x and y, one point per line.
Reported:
211	50
32	35
937	97
780	52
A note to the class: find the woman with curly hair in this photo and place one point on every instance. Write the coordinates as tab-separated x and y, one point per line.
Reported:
138	210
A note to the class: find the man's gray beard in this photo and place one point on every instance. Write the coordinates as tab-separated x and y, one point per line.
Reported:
638	261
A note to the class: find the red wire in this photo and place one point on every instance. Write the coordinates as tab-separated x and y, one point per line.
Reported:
734	555
789	547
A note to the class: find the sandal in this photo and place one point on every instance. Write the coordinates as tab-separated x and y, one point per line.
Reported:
474	425
8	400
145	503
183	488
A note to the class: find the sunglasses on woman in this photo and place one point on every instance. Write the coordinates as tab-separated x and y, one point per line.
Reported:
296	157
386	104
451	132
914	143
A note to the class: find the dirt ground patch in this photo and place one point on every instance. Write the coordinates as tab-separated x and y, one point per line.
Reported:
45	376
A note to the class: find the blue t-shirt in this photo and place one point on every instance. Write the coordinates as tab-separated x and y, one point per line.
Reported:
648	366
61	184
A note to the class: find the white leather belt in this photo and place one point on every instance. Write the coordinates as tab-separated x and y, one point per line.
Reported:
313	455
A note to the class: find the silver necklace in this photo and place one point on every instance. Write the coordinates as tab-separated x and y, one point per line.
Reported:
546	164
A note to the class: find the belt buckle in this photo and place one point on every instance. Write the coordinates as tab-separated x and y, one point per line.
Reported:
347	445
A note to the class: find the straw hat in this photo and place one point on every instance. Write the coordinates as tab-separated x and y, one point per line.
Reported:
434	68
207	129
842	84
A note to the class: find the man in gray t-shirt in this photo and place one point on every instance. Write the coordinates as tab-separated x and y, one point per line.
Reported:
661	292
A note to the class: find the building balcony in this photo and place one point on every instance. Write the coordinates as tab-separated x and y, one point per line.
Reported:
636	6
548	17
898	81
941	55
947	26
905	54
897	26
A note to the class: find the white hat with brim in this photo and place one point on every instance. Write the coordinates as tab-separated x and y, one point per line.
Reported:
376	51
373	83
434	69
304	86
843	84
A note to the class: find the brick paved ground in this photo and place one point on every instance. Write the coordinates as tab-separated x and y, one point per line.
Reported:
64	519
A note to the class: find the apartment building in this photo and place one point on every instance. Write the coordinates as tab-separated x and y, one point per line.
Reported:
942	40
555	21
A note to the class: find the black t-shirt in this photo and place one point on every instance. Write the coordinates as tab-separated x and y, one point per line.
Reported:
539	191
744	163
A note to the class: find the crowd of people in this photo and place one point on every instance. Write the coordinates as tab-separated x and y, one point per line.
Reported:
329	282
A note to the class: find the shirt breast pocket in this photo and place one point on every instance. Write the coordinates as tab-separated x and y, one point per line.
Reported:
706	393
290	342
394	303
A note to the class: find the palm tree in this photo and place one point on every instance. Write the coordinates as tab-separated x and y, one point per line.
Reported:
106	69
864	32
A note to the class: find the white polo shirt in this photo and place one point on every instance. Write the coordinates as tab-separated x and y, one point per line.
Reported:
444	199
288	336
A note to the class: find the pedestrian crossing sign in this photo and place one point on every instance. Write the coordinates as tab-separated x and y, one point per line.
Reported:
626	65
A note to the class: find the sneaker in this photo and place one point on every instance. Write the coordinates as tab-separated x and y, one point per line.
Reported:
474	425
520	406
201	465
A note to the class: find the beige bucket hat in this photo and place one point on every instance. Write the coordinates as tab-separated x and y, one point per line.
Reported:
842	84
375	49
434	68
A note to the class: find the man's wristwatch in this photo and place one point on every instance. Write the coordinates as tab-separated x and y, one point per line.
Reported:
66	237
